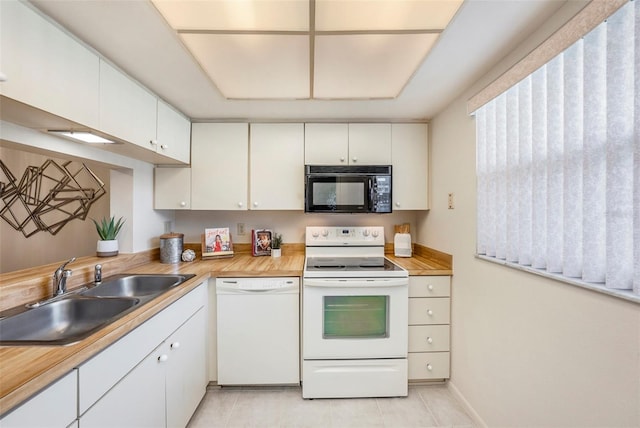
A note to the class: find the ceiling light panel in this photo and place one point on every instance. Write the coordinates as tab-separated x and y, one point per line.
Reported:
254	66
387	15
367	65
236	15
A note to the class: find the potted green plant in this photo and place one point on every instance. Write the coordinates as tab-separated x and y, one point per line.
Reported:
276	242
108	230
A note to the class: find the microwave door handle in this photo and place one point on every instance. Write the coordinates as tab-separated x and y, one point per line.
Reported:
370	201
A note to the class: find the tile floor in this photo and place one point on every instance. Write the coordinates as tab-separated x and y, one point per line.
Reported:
426	406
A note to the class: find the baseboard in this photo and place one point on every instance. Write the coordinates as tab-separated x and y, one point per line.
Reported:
477	420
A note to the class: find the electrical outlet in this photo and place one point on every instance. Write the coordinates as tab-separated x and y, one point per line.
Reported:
450	201
241	230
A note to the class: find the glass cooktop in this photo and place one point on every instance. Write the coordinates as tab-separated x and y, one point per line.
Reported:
351	266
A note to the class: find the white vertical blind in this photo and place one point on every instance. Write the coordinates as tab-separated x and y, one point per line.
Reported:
558	161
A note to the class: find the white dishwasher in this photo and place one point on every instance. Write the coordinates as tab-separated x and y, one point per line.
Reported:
258	327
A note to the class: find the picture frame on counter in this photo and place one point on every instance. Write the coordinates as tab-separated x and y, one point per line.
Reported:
261	242
217	243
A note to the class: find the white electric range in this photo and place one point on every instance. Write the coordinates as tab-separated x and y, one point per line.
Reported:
355	316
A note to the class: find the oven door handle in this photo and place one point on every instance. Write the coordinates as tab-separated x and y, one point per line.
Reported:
356	283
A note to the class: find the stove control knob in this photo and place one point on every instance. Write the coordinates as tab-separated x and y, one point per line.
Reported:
365	232
315	234
375	233
325	232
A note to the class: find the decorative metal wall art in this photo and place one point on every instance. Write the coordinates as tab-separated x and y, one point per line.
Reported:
48	197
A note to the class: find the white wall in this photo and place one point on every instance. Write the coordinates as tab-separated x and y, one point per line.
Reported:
525	350
291	224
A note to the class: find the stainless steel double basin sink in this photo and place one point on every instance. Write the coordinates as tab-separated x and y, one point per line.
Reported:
78	314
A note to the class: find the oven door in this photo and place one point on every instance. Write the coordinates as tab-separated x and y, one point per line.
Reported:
355	318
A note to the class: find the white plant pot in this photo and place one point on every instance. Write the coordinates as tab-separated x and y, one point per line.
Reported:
276	252
107	248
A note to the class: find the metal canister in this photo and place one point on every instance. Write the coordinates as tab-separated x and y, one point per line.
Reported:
171	247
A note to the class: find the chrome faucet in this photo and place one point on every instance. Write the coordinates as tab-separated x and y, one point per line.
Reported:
97	274
60	278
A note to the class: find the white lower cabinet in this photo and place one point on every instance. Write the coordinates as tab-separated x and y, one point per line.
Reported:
160	388
429	327
55	406
186	374
138	400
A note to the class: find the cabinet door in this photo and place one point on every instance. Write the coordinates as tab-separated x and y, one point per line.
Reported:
55	406
45	67
277	169
326	143
127	110
186	380
410	160
138	400
370	144
173	133
172	190
219	170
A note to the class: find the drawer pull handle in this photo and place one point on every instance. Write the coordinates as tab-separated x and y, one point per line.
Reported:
429	312
429	367
430	287
175	345
429	340
162	358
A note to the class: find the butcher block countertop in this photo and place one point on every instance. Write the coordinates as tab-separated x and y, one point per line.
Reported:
25	370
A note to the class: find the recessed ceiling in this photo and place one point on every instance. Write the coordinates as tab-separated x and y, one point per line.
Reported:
134	36
309	49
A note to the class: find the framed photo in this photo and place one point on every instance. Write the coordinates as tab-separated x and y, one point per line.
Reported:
216	242
261	242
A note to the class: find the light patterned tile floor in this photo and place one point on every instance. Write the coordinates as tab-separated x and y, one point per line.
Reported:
426	406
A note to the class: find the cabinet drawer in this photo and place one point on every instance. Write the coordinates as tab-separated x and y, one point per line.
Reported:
428	338
423	310
429	286
428	365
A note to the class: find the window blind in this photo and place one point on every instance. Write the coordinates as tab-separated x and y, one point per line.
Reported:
558	162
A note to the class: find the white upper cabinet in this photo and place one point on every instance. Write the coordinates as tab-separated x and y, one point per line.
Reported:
173	133
369	144
45	67
132	114
410	153
219	170
326	144
127	110
172	188
347	144
277	168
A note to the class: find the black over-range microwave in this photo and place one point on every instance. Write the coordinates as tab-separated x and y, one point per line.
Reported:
347	189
